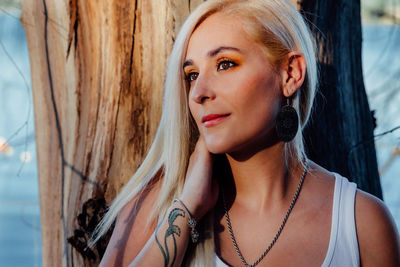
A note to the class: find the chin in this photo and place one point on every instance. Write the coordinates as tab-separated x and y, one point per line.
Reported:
218	145
240	144
222	145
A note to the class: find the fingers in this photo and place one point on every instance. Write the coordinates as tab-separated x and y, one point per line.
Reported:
200	189
201	152
201	143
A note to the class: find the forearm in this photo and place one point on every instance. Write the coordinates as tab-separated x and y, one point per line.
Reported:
168	243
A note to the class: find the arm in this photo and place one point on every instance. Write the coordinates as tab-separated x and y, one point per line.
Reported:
167	246
378	237
131	230
134	242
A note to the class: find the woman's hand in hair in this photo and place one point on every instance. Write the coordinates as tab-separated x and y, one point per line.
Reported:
200	192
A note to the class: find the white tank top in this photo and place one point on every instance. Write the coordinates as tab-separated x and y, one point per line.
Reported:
343	244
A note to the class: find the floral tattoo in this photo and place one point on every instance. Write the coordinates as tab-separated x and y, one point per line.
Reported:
171	231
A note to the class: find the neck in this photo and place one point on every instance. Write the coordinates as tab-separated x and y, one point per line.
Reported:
263	181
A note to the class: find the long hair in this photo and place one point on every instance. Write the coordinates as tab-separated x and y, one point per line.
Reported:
280	28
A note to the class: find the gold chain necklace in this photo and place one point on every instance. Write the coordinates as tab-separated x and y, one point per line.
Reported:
228	222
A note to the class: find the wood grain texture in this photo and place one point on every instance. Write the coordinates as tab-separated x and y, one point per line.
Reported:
97	78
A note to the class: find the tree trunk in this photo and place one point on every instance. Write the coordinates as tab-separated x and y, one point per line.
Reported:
97	76
340	134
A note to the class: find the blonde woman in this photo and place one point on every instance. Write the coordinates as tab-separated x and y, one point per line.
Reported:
226	181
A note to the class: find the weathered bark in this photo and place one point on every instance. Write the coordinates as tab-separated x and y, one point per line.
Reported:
340	135
97	75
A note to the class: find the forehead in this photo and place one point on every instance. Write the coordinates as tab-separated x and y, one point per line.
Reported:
217	30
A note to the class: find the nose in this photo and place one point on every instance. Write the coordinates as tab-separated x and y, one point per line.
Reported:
202	90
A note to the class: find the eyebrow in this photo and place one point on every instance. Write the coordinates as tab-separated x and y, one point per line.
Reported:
212	53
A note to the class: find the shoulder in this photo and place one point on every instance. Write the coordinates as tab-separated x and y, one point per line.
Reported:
132	229
321	181
377	234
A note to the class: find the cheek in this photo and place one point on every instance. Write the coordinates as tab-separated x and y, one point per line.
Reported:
259	114
257	106
257	95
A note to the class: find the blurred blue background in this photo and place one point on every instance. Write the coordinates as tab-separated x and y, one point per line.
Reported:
20	237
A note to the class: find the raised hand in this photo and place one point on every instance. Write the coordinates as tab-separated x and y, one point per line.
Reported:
200	192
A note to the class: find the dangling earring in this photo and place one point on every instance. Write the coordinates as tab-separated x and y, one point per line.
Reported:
287	123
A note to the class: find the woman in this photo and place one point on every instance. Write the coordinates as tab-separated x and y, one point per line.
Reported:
240	71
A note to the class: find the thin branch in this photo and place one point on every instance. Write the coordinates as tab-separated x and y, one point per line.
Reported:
28	90
354	147
15	17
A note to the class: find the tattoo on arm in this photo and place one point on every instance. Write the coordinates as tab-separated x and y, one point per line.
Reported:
171	231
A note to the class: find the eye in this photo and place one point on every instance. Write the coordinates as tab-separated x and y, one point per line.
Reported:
191	76
226	64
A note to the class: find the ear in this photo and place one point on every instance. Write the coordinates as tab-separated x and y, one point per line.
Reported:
293	72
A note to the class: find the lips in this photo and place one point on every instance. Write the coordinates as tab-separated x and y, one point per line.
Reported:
213	119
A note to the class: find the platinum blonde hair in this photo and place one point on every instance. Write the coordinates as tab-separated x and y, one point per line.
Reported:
281	29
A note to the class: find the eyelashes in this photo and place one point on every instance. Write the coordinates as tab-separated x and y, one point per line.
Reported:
225	64
222	65
192	76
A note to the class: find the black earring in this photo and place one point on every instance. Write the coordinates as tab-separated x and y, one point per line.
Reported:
287	123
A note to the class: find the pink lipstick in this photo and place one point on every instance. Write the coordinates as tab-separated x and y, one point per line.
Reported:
213	119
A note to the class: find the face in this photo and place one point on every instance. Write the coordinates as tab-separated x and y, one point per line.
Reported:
234	92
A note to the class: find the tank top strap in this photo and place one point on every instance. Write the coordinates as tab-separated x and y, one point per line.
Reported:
343	243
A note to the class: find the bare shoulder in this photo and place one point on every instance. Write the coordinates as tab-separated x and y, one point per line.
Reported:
323	179
132	229
318	190
377	234
378	238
